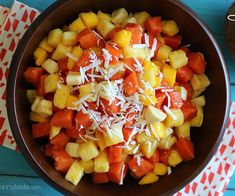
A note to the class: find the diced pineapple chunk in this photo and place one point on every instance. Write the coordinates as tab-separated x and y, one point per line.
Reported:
45	45
69	38
31	95
158	130
101	141
75	173
129	19
183	130
33	116
77	52
104	16
77	25
174	158
199	82
35	103
85	90
90	19
70	101
133	148
73	78
160	169
40	55
55	37
169	74
44	108
178	59
130	52
148	148
72	149
164	52
141	17
170	27
101	163
143	137
114	135
197	93
60	52
198	120
88	151
149	178
50	66
179	118
167	143
148	97
199	101
119	15
50	83
122	38
88	166
183	92
153	114
54	131
61	96
104	27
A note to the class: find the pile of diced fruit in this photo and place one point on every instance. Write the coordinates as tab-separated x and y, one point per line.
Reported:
116	93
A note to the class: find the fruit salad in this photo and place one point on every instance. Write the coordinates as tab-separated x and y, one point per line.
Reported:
115	95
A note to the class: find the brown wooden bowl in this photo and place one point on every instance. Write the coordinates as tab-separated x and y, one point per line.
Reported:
206	139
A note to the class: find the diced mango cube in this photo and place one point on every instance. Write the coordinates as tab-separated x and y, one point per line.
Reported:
101	163
149	178
85	90
54	131
114	135
90	19
160	169
119	15
148	148
167	143
77	25
75	173
55	37
50	83
158	130
198	120
45	45
169	74
40	55
88	166
183	130
141	17
148	98
60	52
169	27
101	141
61	96
69	38
178	59
122	38
179	118
199	82
174	158
77	52
71	99
72	149
88	151
104	27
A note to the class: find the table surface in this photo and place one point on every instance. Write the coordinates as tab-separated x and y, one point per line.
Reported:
14	170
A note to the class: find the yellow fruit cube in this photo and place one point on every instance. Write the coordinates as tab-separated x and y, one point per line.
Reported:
183	92
141	17
50	83
158	130
104	16
76	52
198	120
178	59
129	19
76	26
71	99
101	142
130	52
149	178
74	78
114	135
54	131
40	55
199	101
104	27
170	27
160	169
61	52
31	95
61	96
197	93
119	15
33	116
133	148
72	149
164	52
45	45
148	148
55	37
167	143
69	38
85	90
88	151
101	163
75	173
183	130
88	166
143	137
50	66
122	38
169	74
174	158
35	103
148	98
44	108
152	114
90	19
199	82
176	119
